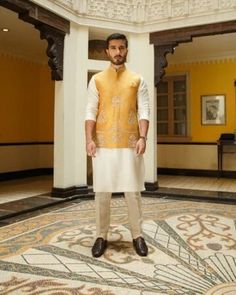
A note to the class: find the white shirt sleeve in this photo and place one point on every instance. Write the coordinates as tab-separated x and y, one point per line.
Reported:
92	105
143	101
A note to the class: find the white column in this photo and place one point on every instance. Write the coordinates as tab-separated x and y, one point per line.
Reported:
81	102
69	155
141	60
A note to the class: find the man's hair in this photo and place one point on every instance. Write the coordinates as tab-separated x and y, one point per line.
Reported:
116	36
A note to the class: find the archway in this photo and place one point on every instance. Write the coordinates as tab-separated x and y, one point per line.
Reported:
51	26
165	42
53	29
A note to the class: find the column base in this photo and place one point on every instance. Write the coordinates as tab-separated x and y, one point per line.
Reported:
151	186
69	191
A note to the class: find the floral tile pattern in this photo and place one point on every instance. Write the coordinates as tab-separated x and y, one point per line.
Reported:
192	250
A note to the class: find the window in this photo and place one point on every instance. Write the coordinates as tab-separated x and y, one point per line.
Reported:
172	107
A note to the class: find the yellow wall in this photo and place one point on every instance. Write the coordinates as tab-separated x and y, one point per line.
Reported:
46	105
207	78
26	96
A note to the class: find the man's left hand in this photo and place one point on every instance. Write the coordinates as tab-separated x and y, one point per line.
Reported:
140	146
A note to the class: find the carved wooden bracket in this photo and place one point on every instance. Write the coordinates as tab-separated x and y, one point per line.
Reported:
51	26
160	59
165	41
55	49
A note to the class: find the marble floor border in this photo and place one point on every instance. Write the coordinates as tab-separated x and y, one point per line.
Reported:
195	195
14	211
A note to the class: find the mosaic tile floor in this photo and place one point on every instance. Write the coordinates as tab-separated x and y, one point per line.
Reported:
192	250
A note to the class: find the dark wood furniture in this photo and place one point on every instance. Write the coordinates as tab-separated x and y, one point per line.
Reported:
221	144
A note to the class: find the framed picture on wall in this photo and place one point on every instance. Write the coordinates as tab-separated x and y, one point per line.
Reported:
213	109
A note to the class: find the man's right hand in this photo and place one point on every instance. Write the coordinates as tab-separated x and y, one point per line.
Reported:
91	148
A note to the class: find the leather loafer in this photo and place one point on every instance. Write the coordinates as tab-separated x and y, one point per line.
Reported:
140	246
99	247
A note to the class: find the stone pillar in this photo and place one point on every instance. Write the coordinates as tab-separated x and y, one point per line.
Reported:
69	153
141	60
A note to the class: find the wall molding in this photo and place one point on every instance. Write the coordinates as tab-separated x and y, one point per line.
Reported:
210	60
25	156
4	176
186	143
195	172
26	143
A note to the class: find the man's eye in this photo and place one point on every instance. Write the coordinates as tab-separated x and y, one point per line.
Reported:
120	48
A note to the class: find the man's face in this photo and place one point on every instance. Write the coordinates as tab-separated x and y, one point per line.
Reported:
117	51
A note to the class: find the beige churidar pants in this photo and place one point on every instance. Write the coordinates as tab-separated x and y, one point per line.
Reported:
102	208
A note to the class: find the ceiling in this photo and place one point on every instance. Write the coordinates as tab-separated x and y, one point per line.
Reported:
205	48
24	40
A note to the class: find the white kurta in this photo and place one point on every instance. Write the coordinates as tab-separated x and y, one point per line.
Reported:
118	169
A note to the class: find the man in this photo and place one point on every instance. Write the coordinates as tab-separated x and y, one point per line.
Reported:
117	120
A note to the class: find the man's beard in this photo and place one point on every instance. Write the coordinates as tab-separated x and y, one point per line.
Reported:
118	62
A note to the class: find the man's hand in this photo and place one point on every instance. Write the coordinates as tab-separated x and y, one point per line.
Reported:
91	148
140	146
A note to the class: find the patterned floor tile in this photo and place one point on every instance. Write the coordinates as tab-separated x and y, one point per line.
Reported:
192	251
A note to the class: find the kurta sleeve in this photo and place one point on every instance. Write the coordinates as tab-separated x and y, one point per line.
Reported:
143	101
92	105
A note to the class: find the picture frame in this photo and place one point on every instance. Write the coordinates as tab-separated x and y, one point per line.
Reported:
213	109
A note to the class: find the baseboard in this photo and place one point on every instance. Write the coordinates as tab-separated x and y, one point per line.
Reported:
151	186
25	173
195	172
69	191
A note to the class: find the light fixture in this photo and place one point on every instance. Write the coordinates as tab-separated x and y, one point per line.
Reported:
5	30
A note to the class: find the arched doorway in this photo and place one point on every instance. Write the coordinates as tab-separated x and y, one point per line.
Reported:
165	42
52	28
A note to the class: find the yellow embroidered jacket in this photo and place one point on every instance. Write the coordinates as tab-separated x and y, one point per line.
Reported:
117	122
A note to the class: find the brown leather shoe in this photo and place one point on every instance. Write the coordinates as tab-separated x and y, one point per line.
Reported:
99	247
140	246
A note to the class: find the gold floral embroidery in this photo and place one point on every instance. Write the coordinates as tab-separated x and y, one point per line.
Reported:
116	101
100	139
116	137
101	119
116	132
132	141
134	83
132	119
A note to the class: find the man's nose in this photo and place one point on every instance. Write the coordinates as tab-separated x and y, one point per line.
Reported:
118	50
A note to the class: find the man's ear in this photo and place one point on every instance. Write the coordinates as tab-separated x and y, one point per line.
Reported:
107	51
